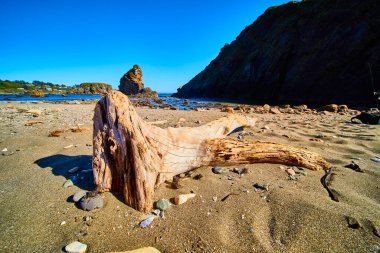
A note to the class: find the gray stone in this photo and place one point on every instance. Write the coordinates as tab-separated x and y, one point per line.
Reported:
74	169
76	247
89	203
163	204
218	170
78	195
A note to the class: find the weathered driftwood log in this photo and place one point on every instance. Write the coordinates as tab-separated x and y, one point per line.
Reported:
132	157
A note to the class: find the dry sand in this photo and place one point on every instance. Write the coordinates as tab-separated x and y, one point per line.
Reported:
293	216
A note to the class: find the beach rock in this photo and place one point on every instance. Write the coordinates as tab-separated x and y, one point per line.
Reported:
291	172
228	109
375	159
316	140
215	198
156	212
74	169
34	112
271	60
163	204
175	183
90	202
275	110
266	108
180	199
330	108
146	222
240	171
262	186
78	195
218	170
343	108
76	247
132	84
68	183
353	222
37	94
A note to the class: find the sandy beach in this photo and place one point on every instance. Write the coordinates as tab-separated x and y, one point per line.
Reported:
37	213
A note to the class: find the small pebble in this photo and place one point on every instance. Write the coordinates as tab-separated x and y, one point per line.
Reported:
163	204
89	203
146	223
63	223
68	183
375	159
74	170
215	198
218	170
76	247
78	195
180	199
291	172
155	212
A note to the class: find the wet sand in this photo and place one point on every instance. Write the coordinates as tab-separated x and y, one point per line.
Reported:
292	216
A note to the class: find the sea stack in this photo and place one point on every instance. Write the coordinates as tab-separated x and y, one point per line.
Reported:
131	84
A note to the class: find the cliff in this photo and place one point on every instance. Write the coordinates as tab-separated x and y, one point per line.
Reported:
314	52
131	84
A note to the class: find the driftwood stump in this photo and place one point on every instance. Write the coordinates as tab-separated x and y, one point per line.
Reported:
133	157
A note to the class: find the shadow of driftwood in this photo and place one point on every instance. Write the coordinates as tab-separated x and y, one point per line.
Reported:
61	164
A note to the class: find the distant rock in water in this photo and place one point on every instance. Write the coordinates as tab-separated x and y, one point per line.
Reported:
37	94
132	84
92	88
309	52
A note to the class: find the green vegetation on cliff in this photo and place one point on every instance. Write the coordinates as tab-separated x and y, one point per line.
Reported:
22	87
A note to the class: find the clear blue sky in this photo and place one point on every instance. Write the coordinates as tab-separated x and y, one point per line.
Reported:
69	42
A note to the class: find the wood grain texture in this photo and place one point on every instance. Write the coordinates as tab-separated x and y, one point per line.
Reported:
132	157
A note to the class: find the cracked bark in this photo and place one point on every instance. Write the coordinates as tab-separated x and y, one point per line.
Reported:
132	157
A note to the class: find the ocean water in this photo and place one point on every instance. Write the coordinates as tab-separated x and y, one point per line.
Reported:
48	97
166	97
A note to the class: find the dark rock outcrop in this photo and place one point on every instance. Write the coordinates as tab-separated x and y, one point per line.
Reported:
314	51
131	84
92	88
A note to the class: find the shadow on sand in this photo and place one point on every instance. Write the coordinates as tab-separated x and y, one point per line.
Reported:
61	164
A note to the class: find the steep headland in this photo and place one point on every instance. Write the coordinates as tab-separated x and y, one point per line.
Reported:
314	52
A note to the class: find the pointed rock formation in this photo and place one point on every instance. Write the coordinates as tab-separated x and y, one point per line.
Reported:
132	84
